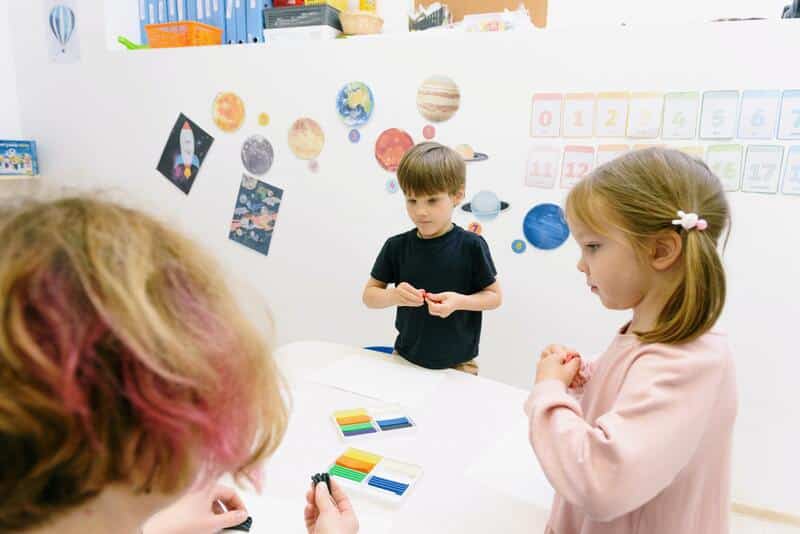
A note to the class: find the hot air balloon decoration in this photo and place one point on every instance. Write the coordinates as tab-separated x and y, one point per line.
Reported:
62	25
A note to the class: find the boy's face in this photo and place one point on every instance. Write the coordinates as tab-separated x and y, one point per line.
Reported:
432	214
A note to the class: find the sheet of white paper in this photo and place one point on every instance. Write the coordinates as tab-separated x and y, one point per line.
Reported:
380	379
511	468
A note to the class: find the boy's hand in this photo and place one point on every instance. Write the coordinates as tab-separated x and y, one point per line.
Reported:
407	295
329	513
443	304
556	366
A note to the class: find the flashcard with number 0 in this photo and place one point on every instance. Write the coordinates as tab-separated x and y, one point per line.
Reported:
546	115
542	168
762	169
726	162
577	163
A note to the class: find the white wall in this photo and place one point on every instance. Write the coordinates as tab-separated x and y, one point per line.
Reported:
9	105
102	123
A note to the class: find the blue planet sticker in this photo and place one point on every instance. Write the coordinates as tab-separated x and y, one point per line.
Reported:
545	226
518	246
354	136
485	205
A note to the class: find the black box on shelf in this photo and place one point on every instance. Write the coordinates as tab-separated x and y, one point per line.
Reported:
299	16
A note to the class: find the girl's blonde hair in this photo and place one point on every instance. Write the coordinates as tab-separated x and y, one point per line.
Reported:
640	194
124	358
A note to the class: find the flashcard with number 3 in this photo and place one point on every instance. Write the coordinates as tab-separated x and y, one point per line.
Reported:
546	115
644	120
542	166
762	168
578	162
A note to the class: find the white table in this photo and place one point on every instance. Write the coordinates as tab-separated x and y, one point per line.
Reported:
464	418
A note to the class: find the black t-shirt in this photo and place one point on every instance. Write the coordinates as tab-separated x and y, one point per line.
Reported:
456	261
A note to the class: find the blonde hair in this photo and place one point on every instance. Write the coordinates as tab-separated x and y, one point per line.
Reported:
430	168
640	194
124	358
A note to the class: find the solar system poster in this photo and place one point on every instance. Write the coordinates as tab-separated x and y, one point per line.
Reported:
254	216
184	153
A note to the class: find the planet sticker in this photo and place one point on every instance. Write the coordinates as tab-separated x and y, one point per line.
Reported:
392	186
306	138
429	132
466	152
390	147
545	227
257	155
228	112
485	205
438	98
518	246
263	119
355	103
354	136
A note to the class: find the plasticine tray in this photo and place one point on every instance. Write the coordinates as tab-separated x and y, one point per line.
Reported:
376	476
371	422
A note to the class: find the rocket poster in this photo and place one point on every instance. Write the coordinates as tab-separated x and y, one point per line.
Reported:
184	153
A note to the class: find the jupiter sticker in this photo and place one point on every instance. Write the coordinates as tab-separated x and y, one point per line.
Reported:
438	98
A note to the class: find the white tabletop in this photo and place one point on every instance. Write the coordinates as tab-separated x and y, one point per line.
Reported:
461	421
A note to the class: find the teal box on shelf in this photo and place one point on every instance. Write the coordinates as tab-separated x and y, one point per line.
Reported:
299	16
18	158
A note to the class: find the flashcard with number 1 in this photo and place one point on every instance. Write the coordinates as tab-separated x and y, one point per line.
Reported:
578	115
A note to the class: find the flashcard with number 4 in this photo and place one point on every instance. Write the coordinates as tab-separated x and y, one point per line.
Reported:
726	162
759	114
790	115
762	169
542	166
791	172
680	115
577	163
718	115
612	114
546	115
578	115
644	119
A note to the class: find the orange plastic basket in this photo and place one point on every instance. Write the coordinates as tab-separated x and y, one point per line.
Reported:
186	33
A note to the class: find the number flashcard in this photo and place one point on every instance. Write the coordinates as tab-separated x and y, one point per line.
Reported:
791	172
577	162
644	120
546	115
542	168
718	115
762	168
578	115
680	115
790	115
758	117
606	153
726	162
612	115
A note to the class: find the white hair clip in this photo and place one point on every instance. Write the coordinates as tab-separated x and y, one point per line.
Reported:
689	221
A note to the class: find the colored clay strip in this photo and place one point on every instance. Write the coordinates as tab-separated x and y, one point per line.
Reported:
343	472
352	463
395	427
362	455
359	426
369	430
387	482
386	488
353	420
388	485
350	413
409	470
390	422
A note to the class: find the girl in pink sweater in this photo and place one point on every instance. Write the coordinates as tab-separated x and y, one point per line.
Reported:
646	448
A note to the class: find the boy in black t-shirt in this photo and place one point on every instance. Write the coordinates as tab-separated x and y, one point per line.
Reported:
442	275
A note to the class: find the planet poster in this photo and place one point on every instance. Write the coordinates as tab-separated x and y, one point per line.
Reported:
228	112
355	103
184	153
438	98
390	147
255	213
257	155
306	138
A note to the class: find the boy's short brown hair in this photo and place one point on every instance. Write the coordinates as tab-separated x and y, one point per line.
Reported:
430	169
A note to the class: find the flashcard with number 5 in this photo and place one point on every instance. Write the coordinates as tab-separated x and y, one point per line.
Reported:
577	163
542	166
680	115
546	115
578	115
790	115
726	162
644	120
759	114
762	168
718	116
